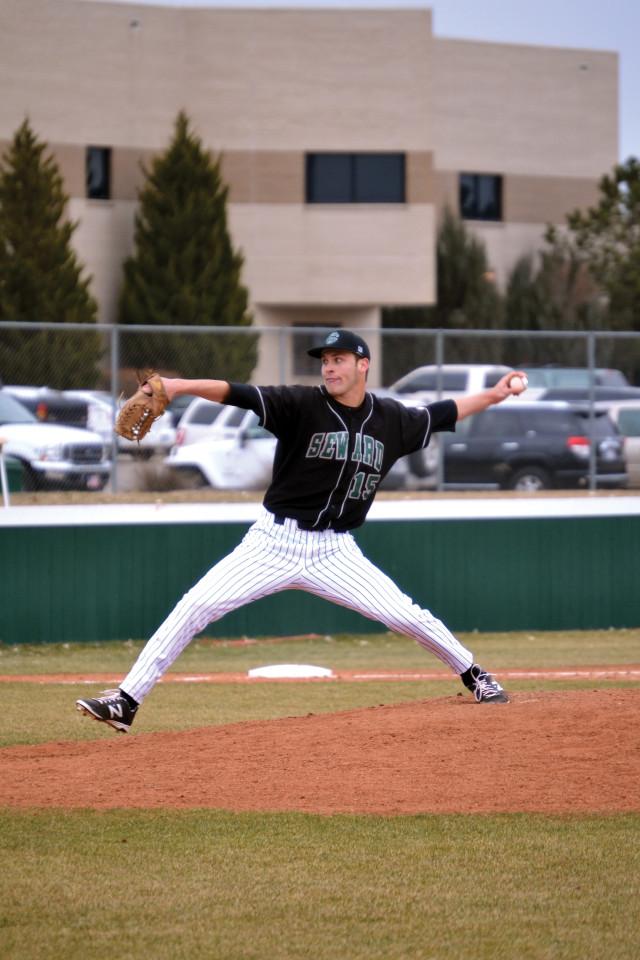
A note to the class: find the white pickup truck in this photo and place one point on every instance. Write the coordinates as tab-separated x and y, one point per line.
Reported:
52	456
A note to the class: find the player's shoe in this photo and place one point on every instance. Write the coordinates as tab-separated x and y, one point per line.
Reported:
483	686
111	708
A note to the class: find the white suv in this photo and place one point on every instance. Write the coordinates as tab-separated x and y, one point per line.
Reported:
238	457
450	380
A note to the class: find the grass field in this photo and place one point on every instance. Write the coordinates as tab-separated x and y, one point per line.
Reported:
212	884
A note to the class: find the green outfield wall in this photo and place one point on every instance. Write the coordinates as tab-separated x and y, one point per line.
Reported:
73	581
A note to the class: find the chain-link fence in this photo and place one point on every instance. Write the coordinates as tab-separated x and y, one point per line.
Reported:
62	384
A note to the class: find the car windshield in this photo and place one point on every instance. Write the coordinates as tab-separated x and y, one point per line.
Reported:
205	412
573	378
12	411
629	423
429	380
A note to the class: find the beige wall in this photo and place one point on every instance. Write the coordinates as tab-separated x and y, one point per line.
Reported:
269	79
344	254
506	108
102	240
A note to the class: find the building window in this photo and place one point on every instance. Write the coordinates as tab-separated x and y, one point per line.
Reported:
355	178
98	171
480	196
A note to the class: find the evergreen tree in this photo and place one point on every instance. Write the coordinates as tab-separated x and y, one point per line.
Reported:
607	238
467	298
184	270
40	277
553	291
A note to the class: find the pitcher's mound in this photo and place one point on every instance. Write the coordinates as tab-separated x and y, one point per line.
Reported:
574	751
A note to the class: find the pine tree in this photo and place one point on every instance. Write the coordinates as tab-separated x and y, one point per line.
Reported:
551	291
184	269
40	277
467	298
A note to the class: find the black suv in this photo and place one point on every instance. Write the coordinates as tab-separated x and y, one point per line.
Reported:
533	446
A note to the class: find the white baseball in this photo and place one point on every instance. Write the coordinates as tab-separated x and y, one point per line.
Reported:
519	384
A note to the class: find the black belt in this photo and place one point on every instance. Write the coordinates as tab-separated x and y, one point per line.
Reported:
279	519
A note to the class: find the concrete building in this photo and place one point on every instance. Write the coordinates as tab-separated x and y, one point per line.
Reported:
343	135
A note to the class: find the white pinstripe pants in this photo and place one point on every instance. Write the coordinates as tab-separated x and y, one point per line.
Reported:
273	557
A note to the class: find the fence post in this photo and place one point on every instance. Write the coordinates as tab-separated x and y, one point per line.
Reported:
439	363
114	339
593	449
282	359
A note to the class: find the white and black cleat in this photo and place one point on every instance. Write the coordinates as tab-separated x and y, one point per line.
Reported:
111	707
483	686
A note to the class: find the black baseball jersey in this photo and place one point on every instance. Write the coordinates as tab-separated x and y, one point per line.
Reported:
330	458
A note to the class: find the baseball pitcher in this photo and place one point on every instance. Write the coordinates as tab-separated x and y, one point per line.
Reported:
336	442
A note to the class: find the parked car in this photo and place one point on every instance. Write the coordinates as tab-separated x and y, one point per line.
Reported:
532	446
239	459
626	416
101	417
428	383
53	456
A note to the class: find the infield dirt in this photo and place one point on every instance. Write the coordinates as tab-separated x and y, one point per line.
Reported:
560	752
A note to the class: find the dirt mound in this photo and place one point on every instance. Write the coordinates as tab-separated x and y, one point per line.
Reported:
571	751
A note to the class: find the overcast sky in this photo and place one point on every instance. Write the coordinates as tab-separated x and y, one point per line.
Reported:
611	25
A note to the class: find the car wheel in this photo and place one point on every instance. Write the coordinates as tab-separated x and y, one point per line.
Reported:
424	463
190	478
30	479
530	480
95	482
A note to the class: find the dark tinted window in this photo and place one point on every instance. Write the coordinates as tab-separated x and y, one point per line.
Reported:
98	173
565	423
492	423
480	196
602	425
355	178
492	377
429	381
235	418
205	413
329	178
556	422
379	178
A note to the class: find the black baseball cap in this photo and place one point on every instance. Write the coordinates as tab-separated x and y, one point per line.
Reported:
342	340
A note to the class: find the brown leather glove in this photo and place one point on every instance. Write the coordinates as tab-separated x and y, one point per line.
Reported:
138	413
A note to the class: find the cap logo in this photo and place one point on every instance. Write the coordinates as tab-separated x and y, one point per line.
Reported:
333	337
359	348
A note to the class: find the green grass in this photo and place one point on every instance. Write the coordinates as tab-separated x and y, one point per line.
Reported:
290	887
367	651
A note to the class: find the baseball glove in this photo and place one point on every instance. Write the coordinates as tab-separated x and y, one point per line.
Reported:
138	413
